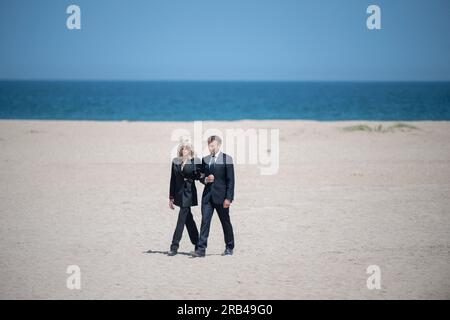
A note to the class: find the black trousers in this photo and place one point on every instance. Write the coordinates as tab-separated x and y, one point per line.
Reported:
185	218
224	216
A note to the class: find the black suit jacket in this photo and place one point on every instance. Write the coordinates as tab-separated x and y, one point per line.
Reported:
223	186
182	182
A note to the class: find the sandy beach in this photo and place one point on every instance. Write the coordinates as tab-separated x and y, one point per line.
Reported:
94	194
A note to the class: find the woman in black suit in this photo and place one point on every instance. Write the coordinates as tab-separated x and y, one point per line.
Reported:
186	168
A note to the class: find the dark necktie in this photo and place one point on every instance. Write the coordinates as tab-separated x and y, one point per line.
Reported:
212	163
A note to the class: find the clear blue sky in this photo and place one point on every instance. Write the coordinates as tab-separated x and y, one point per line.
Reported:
225	40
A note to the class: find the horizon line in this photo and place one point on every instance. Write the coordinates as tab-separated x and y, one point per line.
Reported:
219	80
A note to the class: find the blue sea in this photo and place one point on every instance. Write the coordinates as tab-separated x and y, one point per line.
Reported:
197	100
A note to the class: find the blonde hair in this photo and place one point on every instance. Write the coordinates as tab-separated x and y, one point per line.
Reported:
185	145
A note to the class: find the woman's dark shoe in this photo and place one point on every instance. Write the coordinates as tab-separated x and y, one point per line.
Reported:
228	252
198	254
172	253
195	250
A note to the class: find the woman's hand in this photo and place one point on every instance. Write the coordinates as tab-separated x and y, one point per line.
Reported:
171	204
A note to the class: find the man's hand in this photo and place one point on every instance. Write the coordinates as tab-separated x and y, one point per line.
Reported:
171	204
210	178
226	203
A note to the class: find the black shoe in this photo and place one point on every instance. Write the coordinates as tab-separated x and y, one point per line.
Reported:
172	253
228	252
194	251
198	254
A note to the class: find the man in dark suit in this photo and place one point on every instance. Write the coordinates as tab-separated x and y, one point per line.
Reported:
218	194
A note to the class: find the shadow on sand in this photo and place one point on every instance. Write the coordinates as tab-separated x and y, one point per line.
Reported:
189	254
